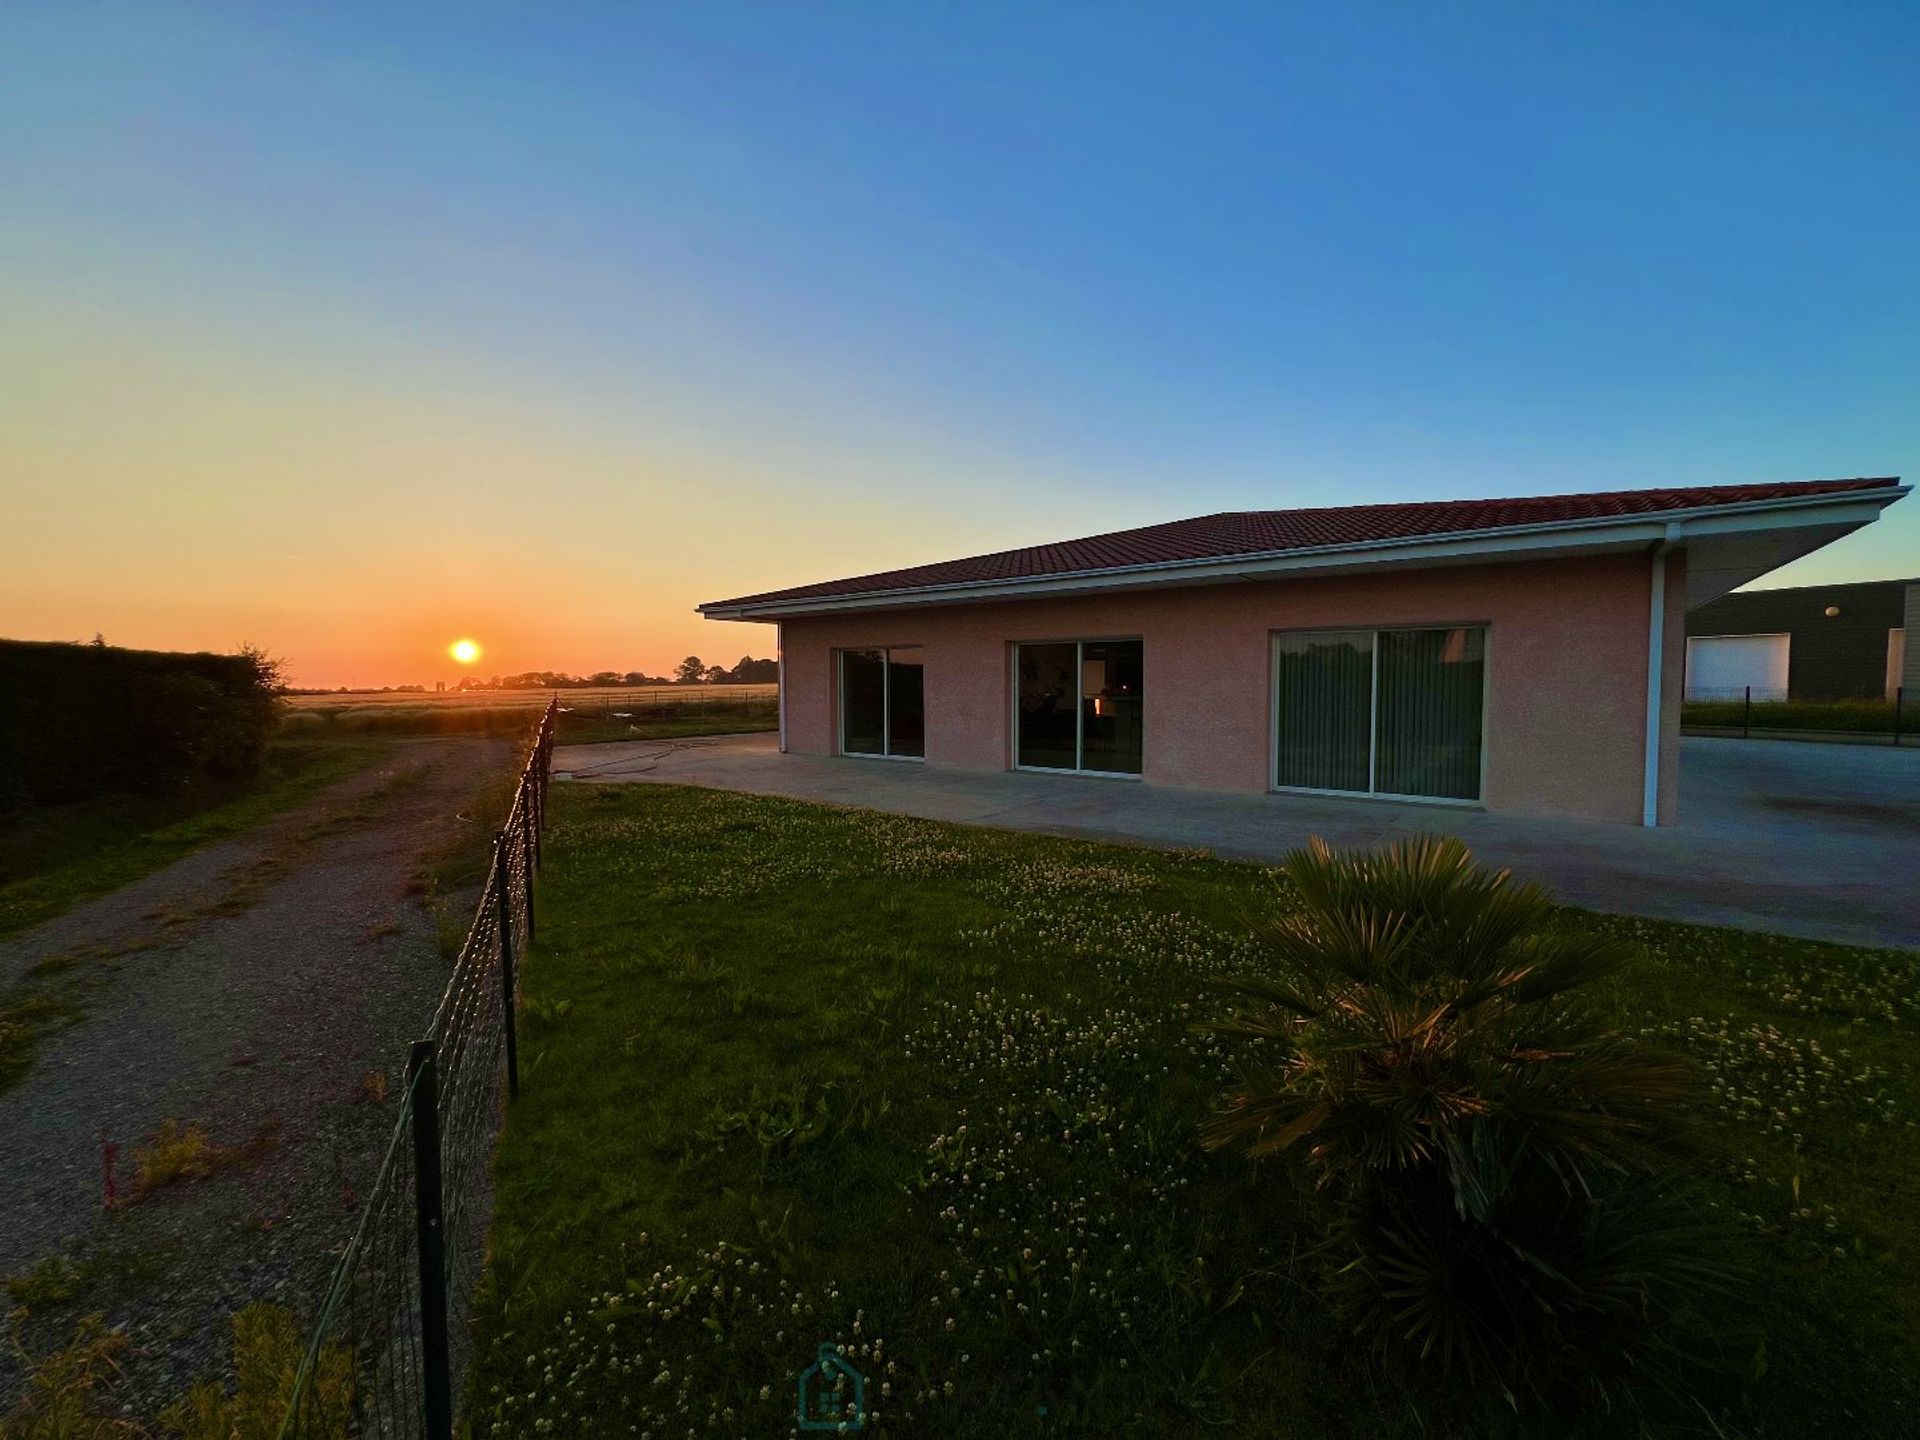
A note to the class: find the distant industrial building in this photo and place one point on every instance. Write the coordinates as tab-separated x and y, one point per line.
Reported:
1812	642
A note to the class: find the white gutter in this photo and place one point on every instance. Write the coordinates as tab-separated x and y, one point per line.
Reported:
1847	507
1656	667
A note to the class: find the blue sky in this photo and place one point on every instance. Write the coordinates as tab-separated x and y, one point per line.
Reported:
658	303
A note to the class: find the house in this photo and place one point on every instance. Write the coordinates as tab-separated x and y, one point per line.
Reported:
1811	642
1524	655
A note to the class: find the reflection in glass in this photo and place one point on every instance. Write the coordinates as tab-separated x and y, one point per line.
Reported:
906	702
1047	686
1432	683
1111	709
1389	712
863	702
1324	709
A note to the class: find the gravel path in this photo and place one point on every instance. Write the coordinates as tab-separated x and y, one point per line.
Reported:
258	987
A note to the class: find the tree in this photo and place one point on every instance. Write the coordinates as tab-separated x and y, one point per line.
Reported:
691	670
1492	1157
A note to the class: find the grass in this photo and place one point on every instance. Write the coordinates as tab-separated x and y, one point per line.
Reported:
679	722
54	857
794	1074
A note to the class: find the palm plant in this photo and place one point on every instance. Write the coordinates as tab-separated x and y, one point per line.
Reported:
1487	1151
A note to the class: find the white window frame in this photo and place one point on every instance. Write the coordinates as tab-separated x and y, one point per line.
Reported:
1079	717
886	703
1452	802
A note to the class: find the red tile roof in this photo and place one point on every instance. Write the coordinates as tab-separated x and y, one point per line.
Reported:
1235	533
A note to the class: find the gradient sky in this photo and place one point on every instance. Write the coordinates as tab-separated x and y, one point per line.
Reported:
349	329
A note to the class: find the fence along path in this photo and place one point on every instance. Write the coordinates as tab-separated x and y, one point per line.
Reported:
384	1358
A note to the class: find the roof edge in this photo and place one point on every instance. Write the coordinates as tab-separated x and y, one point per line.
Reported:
1487	541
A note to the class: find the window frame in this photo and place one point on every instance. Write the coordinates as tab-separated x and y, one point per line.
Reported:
1079	643
885	752
1477	801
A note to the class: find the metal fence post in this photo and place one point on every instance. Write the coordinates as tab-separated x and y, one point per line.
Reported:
1746	715
509	987
436	1370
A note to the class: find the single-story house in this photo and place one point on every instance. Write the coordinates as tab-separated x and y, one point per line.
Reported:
1524	655
1809	642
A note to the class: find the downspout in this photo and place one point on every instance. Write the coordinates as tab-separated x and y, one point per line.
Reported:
1656	668
780	654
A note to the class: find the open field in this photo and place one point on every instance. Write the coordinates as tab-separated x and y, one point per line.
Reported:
587	715
797	1074
588	697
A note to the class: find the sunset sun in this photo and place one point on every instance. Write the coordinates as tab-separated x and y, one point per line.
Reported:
465	651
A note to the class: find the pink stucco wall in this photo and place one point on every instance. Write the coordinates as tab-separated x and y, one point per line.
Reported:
1566	647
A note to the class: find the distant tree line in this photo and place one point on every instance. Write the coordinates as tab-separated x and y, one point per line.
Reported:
690	671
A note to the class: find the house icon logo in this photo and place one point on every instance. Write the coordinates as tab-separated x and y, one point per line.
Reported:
831	1394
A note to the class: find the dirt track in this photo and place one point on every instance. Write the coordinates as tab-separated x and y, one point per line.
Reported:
261	988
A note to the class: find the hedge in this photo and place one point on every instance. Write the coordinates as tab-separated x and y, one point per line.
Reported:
83	720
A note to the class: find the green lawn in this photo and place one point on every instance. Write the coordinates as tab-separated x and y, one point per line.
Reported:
679	722
53	857
796	1074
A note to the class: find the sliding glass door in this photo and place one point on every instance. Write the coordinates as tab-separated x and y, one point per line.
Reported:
1079	705
883	702
1381	712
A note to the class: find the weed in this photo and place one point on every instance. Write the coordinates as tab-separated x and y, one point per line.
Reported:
183	1154
64	1397
53	1281
267	1352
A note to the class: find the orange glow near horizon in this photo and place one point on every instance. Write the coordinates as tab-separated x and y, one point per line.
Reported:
465	651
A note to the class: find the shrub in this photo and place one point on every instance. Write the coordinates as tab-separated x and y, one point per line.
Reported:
1488	1155
1868	716
83	720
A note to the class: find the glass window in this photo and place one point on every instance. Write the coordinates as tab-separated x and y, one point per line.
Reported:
863	702
1431	686
1324	700
906	702
1110	706
1047	685
883	702
1080	706
1387	712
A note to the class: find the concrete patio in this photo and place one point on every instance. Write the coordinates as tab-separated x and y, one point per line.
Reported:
1804	839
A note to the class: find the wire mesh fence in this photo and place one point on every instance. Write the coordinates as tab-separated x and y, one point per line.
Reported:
385	1355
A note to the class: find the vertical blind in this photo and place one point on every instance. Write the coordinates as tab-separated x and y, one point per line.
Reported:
1388	712
1325	709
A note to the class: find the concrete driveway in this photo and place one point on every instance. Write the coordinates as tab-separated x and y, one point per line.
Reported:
1804	839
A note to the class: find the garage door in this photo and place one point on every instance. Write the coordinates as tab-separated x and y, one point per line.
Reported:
1722	667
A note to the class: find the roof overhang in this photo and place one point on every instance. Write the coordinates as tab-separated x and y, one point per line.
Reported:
1727	546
